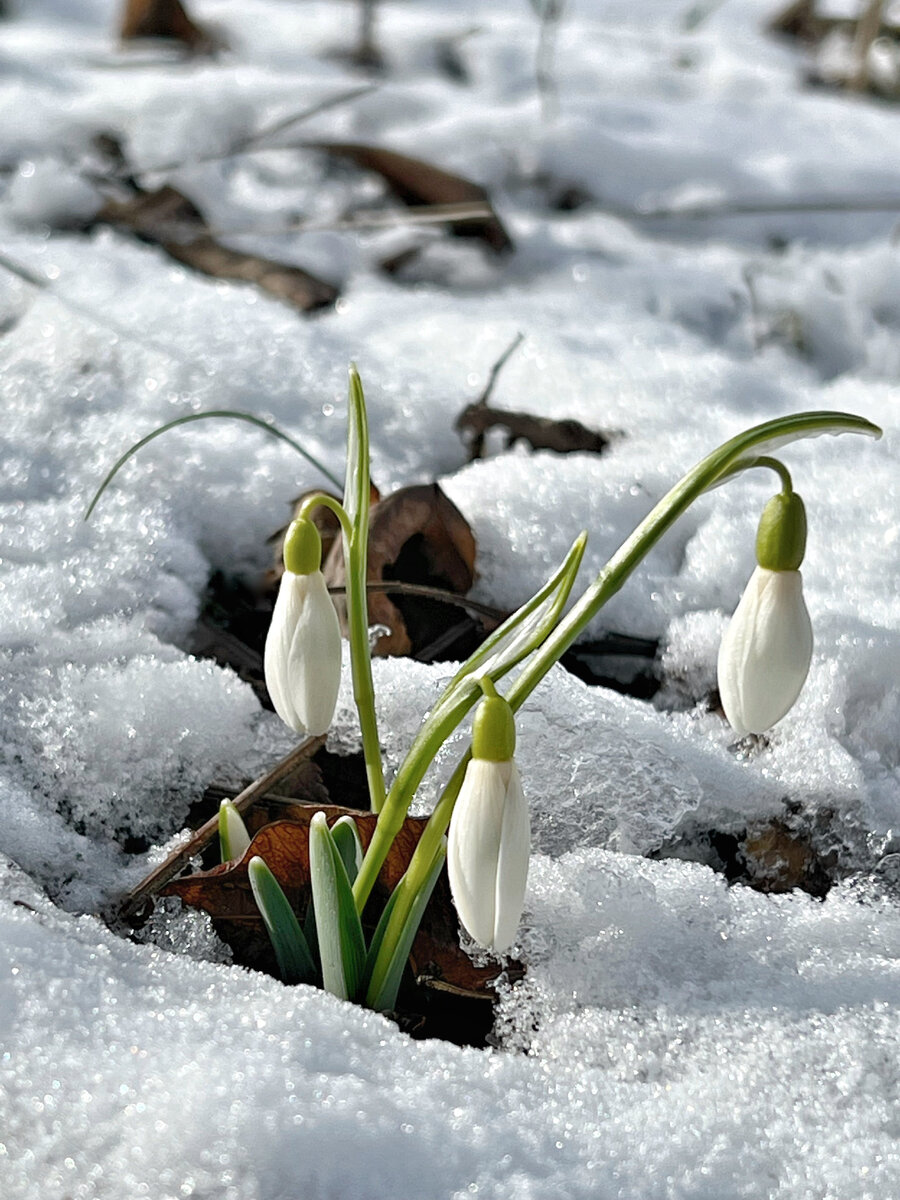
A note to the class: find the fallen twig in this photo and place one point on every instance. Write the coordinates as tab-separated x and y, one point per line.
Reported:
149	886
250	142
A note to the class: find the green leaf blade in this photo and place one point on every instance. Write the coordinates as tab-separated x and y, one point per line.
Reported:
342	948
234	414
393	939
357	483
234	840
291	950
349	846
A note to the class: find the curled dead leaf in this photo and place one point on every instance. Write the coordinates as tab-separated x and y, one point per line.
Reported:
165	19
565	436
416	535
421	183
168	219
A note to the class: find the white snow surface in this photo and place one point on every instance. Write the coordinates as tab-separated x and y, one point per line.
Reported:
674	1038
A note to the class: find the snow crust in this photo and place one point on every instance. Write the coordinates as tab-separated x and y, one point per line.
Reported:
674	1038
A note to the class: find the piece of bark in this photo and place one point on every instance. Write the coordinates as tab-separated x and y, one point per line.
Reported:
166	19
224	893
168	219
420	183
564	437
419	536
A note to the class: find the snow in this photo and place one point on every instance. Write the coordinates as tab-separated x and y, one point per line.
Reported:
674	1038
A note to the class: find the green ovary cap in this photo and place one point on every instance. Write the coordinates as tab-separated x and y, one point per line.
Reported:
302	548
781	537
493	730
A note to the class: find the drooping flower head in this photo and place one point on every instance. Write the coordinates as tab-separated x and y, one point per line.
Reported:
767	648
302	658
490	834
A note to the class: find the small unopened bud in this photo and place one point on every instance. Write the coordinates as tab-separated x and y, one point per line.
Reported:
302	548
493	730
781	537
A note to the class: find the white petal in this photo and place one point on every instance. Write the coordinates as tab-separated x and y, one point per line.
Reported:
512	864
303	653
487	853
288	606
473	847
766	651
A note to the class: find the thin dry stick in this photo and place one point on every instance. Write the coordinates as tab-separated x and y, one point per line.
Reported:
498	367
550	14
367	49
868	28
476	446
432	593
417	214
744	208
250	142
178	859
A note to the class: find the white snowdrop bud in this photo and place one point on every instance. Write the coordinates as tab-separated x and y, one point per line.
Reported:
766	651
303	648
490	834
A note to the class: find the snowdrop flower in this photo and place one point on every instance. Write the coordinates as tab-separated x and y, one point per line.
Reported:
490	834
766	651
303	648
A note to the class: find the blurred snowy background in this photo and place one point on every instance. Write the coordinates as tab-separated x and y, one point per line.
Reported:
685	1038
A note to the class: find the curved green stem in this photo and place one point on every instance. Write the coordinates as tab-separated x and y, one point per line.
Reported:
323	500
738	454
774	464
358	634
202	416
517	637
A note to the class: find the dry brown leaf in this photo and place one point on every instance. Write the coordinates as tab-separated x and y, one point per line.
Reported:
780	859
416	535
224	892
170	220
800	20
565	436
165	19
416	182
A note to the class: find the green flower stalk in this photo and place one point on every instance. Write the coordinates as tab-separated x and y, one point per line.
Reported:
762	665
747	450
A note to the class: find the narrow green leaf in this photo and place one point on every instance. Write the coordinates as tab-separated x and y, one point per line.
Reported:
233	836
294	959
346	838
202	416
356	506
519	633
763	440
389	952
357	479
342	948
